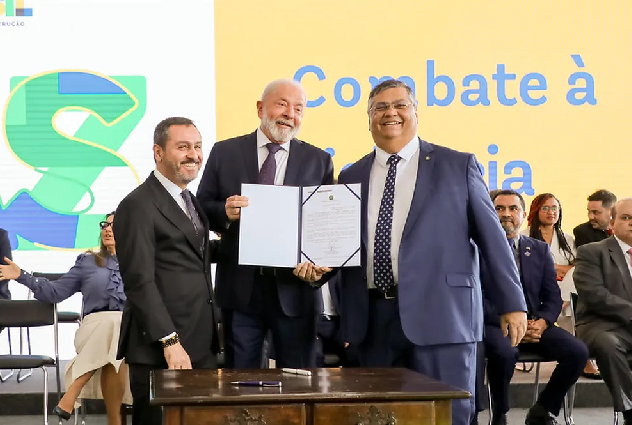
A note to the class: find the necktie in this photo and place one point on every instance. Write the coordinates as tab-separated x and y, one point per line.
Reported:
268	168
382	265
193	215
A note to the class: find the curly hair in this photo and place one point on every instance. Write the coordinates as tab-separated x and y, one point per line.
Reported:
534	224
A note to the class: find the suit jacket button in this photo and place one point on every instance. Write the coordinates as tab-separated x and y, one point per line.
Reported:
210	301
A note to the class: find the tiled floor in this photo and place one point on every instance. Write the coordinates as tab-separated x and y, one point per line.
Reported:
600	416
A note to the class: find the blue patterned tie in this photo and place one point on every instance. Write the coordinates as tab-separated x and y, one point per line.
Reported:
268	168
382	266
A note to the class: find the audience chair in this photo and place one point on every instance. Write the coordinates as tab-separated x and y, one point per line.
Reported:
4	378
31	313
535	359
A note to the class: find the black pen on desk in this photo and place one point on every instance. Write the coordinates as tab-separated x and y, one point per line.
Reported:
257	383
296	371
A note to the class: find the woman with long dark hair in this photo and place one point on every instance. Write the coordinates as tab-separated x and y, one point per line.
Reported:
94	372
545	224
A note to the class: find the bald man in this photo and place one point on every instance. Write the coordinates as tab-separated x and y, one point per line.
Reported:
603	278
258	300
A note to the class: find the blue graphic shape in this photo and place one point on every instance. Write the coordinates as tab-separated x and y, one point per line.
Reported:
25	217
83	83
330	151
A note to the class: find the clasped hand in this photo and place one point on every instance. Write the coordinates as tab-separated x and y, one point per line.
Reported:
535	328
310	272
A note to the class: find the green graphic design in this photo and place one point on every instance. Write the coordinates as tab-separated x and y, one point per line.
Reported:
69	164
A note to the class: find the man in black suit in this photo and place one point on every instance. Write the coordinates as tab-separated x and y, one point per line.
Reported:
257	299
5	251
596	228
162	242
603	278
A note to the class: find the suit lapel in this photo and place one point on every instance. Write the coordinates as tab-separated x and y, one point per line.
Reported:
525	269
294	163
251	160
365	174
169	208
422	185
619	259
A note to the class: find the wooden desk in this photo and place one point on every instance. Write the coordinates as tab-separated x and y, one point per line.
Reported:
346	396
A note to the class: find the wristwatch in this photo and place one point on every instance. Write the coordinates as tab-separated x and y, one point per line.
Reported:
170	341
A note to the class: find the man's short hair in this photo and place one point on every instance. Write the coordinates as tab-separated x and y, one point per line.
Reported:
390	84
496	193
161	133
607	198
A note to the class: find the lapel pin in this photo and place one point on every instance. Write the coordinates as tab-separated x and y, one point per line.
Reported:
427	158
527	254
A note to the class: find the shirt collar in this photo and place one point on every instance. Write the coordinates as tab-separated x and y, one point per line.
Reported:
262	141
516	240
406	153
174	190
624	246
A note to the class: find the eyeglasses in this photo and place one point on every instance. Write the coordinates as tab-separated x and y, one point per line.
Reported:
546	208
384	106
104	224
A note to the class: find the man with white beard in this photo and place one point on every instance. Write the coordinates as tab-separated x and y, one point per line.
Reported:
255	300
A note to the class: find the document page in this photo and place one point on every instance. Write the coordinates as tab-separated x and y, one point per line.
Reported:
331	225
268	232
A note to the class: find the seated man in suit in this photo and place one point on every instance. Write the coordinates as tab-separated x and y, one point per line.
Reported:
596	228
544	303
603	278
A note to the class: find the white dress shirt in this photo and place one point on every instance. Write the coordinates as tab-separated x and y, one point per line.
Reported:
281	156
174	190
176	193
328	304
405	181
625	248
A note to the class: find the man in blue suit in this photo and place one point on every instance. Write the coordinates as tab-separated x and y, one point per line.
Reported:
544	303
426	215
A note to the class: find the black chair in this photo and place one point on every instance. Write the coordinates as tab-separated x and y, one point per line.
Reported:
26	314
574	301
525	357
71	317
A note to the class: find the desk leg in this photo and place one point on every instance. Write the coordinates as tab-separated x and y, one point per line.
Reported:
443	412
172	416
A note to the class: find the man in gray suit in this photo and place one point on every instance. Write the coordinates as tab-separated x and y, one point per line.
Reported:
603	278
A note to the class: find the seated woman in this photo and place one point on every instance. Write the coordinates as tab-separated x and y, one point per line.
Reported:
545	224
96	275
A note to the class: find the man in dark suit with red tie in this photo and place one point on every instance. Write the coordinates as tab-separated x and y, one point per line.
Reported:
255	300
543	337
603	278
162	243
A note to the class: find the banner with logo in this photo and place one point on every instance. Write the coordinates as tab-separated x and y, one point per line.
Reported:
82	86
538	90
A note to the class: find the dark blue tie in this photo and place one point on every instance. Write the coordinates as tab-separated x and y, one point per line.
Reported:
382	264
